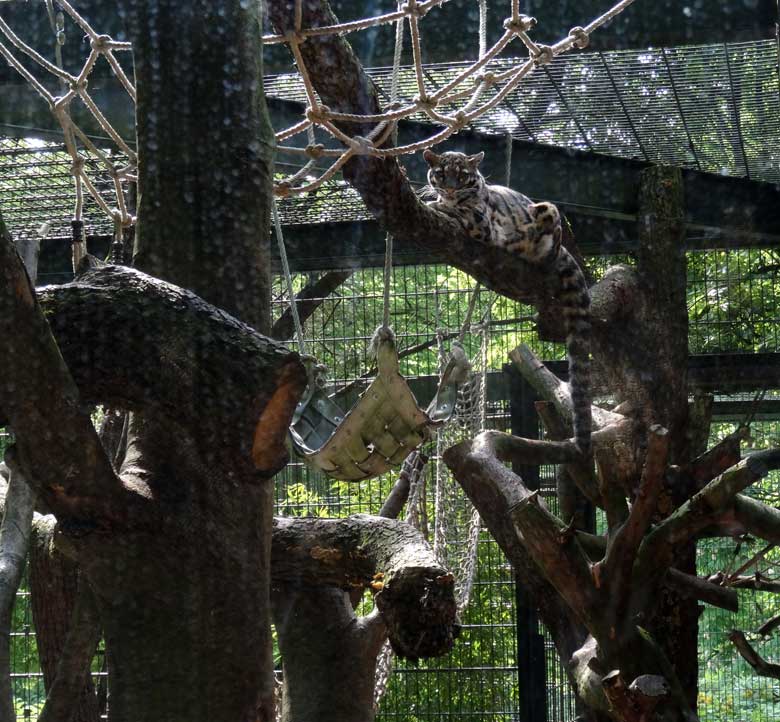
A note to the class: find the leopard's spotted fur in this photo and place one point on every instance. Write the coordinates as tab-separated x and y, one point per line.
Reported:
502	217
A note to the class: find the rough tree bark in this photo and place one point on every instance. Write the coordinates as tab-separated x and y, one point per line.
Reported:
176	546
640	349
16	522
329	654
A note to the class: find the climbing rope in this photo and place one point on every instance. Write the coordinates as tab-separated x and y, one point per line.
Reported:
452	106
288	280
516	26
78	146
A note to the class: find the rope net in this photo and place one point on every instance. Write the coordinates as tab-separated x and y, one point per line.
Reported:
474	91
456	523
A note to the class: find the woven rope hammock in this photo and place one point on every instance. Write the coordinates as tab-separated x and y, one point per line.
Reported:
381	429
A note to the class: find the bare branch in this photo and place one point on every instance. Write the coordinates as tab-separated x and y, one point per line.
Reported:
704	508
704	590
757	582
753	658
769	626
621	552
308	300
551	388
73	667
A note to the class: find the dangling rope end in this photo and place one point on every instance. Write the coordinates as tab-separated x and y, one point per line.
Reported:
382	333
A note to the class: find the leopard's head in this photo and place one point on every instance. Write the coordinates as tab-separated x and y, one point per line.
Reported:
454	175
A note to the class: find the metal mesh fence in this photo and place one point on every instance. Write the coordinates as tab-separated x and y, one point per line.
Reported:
733	305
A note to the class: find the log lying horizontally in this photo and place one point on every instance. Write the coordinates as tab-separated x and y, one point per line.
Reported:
415	594
132	341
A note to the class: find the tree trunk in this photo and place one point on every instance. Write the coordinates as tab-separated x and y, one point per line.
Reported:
53	592
662	267
176	545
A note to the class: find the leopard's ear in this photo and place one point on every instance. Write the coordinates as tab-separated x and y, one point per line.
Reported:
475	160
431	158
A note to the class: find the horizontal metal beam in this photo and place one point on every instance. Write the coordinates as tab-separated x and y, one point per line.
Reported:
725	373
596	192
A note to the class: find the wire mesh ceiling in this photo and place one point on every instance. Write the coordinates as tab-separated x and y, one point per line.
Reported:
714	108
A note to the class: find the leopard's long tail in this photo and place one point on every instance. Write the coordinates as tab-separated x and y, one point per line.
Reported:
575	299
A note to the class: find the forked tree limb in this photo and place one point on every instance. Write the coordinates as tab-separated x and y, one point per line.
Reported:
715	460
703	509
73	667
623	546
308	300
752	657
545	537
57	446
561	559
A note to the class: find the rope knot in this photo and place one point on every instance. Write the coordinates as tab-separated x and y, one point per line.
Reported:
282	190
77	166
544	56
362	145
522	25
77	85
411	8
315	150
101	43
294	37
581	38
320	114
425	102
487	78
460	120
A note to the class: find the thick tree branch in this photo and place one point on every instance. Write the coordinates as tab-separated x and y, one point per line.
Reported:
717	459
551	388
560	558
308	300
132	341
73	668
658	549
769	626
753	658
414	593
57	445
555	551
692	587
623	546
753	517
343	85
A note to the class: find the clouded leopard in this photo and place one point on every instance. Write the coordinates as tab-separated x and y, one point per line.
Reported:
505	218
